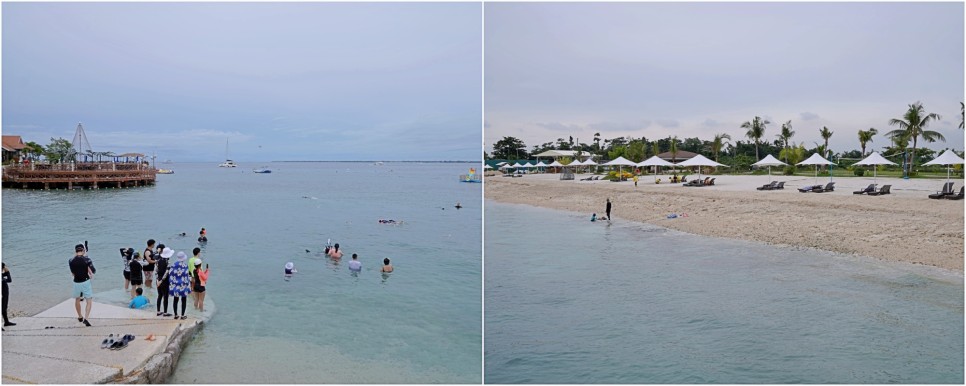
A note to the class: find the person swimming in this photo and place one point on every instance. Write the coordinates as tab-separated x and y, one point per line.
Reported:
289	270
335	253
386	266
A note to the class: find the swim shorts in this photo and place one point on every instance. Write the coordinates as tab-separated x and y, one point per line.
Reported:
83	290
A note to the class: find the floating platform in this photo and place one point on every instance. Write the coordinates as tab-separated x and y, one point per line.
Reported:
79	175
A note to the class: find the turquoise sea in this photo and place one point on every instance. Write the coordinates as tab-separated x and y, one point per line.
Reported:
420	324
570	301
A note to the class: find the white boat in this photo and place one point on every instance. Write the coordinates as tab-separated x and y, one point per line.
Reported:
165	171
228	162
261	170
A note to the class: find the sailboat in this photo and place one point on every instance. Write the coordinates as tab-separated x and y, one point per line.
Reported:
228	162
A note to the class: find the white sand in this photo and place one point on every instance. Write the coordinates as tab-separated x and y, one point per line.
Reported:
902	226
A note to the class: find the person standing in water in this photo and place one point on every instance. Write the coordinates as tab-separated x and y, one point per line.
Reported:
82	268
164	283
148	270
335	253
608	210
386	266
6	295
355	265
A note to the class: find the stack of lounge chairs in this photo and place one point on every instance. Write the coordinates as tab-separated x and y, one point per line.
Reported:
774	185
707	181
869	189
947	191
818	188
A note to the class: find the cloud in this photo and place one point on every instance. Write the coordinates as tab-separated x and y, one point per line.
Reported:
711	123
668	123
807	116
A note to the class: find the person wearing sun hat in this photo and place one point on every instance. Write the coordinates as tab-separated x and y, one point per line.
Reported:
180	282
199	279
163	270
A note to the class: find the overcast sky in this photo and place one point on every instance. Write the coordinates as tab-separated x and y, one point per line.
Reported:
293	81
555	70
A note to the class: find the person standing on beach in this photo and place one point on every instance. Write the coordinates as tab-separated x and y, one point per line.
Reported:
635	180
163	269
198	280
6	295
82	268
608	209
180	284
149	253
137	274
148	262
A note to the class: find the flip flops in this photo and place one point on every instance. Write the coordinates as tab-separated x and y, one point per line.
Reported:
149	338
119	345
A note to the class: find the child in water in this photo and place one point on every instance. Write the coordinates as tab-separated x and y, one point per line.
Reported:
289	270
139	301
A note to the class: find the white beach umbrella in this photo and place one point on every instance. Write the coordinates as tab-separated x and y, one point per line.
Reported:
540	164
620	162
875	159
516	165
769	161
654	161
946	158
699	161
555	163
816	159
487	166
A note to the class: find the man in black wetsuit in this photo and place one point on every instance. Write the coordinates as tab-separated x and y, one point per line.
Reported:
6	295
83	270
608	209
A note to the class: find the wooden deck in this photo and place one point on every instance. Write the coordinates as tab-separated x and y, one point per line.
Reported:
81	175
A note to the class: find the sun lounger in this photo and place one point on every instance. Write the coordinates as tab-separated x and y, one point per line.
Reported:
882	191
596	178
869	189
807	188
781	186
828	188
956	196
947	190
684	178
772	185
591	178
712	181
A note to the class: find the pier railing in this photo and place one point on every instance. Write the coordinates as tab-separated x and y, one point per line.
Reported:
78	175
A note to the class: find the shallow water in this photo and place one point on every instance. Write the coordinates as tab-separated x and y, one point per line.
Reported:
421	323
570	301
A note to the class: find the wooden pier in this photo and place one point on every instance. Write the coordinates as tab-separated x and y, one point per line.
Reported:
78	175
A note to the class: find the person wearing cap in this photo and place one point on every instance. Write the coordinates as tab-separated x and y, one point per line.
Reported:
180	284
163	271
82	268
355	265
289	270
198	280
126	255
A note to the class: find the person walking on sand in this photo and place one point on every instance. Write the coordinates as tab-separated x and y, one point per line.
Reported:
6	295
608	210
180	284
635	180
82	268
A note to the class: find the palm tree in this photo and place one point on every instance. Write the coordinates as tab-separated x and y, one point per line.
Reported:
913	125
865	136
756	130
674	149
786	135
826	134
718	143
597	141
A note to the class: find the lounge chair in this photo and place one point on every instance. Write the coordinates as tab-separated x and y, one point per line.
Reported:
828	188
947	190
694	183
781	186
596	178
869	189
712	181
808	188
591	178
882	191
684	178
956	196
772	185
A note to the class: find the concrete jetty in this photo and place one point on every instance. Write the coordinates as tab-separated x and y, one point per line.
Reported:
53	347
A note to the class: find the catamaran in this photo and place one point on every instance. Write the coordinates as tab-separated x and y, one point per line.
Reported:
228	162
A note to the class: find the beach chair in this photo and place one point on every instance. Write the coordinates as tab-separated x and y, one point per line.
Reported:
772	185
947	190
828	188
869	189
807	188
712	181
882	191
781	186
596	178
684	178
956	196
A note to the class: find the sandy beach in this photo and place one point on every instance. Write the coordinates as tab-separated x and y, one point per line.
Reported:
903	226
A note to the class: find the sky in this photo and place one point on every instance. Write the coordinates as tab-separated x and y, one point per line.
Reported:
555	70
286	81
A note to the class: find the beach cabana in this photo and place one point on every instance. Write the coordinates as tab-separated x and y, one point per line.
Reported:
699	161
769	161
817	159
875	159
947	158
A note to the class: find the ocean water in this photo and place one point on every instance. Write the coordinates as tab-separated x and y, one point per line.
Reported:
421	324
570	301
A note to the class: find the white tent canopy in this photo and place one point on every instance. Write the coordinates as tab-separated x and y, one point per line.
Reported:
527	165
946	158
541	164
654	161
699	160
589	162
620	161
769	161
875	159
487	166
816	159
516	165
555	163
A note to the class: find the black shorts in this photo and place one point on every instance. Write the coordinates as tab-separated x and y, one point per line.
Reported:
127	275
136	282
199	289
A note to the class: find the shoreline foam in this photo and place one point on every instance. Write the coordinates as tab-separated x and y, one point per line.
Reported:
904	226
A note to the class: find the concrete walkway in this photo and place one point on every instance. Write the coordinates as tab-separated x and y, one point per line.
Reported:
71	353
